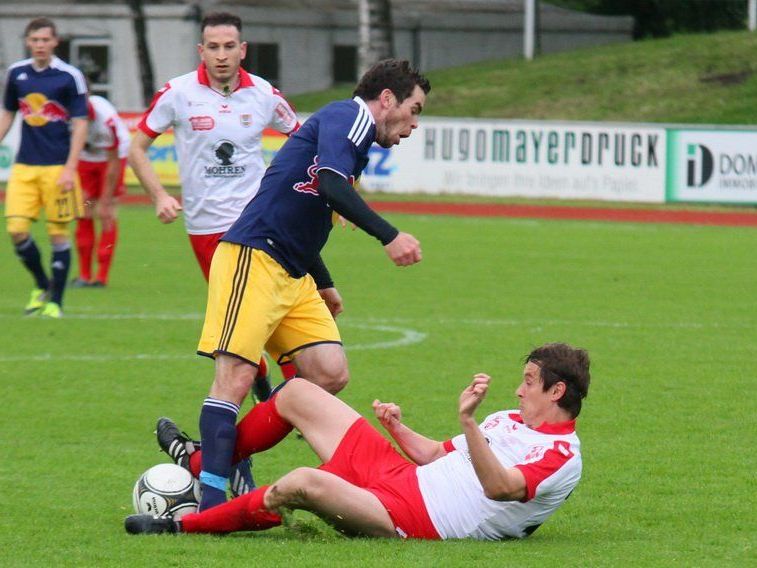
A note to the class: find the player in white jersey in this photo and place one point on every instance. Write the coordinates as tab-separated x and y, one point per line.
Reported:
500	479
101	168
218	113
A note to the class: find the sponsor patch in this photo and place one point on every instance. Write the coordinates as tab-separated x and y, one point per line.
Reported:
245	119
202	122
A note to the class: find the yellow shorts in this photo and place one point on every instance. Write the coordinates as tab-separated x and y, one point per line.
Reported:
31	188
254	304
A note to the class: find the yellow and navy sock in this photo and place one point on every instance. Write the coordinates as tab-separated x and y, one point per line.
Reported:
60	264
28	252
218	420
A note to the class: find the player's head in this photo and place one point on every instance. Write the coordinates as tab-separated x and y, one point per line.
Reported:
555	374
41	38
222	48
397	93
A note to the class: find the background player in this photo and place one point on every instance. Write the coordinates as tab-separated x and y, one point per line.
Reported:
500	479
218	113
101	170
51	96
268	286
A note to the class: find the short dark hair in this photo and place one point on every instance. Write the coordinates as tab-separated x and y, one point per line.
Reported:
397	75
220	19
38	24
560	362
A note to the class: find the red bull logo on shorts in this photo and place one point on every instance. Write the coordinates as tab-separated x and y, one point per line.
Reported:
38	110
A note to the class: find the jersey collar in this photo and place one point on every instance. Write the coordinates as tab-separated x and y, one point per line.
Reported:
567	427
361	103
245	80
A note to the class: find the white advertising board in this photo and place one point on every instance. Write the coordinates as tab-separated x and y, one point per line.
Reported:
8	149
714	166
617	162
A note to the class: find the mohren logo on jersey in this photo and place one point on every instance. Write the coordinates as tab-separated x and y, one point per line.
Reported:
38	110
224	155
202	122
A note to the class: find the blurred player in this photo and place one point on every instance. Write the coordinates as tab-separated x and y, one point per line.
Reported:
52	98
101	171
218	114
501	479
269	288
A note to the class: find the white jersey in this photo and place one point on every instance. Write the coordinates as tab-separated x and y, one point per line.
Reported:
549	458
107	131
218	142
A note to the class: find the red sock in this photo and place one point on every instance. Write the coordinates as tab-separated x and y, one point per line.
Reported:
288	370
85	244
105	251
246	512
261	429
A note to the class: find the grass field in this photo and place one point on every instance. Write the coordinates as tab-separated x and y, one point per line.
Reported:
669	314
697	79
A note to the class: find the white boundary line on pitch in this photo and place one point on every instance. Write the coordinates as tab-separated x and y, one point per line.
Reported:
407	337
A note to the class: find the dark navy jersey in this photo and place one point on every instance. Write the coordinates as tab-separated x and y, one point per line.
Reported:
47	100
289	218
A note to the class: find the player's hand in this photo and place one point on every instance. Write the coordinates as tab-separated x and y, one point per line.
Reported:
404	250
67	179
333	300
167	208
388	414
343	222
473	395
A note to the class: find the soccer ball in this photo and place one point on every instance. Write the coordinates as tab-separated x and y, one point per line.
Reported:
166	490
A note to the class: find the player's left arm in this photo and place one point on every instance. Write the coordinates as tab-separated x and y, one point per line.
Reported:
79	128
419	448
499	483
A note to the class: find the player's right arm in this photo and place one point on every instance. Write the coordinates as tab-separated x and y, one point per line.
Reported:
6	120
418	448
167	207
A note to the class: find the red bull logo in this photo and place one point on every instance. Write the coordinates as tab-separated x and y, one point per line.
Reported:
38	110
311	185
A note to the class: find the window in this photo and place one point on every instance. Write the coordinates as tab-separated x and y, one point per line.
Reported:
92	57
263	59
344	64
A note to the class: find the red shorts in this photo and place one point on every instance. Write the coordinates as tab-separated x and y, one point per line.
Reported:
204	247
92	178
366	459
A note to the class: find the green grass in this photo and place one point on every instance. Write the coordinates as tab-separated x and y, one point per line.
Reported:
683	79
669	314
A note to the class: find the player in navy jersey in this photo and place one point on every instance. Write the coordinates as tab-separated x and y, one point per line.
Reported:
269	288
51	96
502	478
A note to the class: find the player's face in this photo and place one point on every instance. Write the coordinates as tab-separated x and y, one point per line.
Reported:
222	52
535	403
41	44
401	118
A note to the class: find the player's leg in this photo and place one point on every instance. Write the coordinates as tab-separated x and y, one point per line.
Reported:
308	335
61	207
204	247
22	204
106	248
91	178
241	314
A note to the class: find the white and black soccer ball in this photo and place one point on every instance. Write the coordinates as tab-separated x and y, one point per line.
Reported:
166	490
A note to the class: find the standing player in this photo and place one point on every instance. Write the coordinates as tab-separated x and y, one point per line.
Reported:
218	114
101	170
269	288
501	479
52	98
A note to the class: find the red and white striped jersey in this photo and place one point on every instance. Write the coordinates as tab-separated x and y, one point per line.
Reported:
218	142
548	456
107	131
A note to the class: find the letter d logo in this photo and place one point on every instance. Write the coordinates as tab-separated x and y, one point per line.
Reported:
698	165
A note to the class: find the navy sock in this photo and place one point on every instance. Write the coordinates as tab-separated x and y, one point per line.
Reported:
28	252
60	264
219	435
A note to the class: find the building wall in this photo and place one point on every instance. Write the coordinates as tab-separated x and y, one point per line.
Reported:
433	35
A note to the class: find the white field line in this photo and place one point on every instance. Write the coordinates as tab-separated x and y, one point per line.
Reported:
406	337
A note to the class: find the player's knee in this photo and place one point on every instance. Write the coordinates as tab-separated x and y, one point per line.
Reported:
332	375
299	488
18	237
18	228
